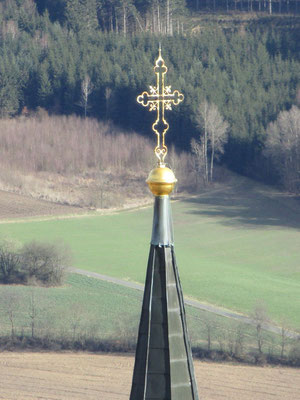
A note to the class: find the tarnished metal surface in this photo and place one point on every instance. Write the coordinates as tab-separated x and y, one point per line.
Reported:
163	364
162	230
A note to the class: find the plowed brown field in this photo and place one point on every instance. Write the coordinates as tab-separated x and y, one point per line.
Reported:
51	376
13	205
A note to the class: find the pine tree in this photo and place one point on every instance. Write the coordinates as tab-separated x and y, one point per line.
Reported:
73	14
81	15
9	92
90	14
44	91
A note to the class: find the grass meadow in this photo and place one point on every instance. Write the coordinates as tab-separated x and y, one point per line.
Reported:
236	245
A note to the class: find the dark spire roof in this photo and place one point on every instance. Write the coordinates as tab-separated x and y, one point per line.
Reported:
163	364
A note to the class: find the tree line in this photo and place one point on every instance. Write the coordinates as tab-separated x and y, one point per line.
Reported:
33	318
269	6
119	16
250	75
158	16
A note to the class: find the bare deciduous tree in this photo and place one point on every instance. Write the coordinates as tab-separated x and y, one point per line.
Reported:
284	338
10	264
202	124
75	315
217	133
10	302
221	339
199	162
212	140
230	342
298	97
86	89
33	311
283	147
108	96
271	346
239	340
260	318
209	327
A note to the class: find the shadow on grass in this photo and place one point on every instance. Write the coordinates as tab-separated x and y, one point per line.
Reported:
249	205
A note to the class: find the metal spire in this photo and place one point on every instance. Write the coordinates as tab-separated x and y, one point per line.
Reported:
163	363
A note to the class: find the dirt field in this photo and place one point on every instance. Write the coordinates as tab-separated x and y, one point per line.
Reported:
51	376
13	205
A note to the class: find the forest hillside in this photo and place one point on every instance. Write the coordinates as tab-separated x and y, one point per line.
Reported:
237	63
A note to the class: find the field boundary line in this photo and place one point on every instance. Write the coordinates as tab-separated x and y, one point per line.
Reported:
190	302
90	212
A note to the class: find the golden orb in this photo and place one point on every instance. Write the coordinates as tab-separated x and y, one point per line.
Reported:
161	180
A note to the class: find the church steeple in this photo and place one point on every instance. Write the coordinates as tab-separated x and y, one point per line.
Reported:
163	363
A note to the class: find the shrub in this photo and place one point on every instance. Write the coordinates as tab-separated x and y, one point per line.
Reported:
294	355
46	263
10	264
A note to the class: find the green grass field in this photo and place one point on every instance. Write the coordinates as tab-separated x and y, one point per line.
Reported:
96	307
235	246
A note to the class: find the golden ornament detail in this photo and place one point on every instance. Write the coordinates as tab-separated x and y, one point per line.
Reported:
160	99
161	180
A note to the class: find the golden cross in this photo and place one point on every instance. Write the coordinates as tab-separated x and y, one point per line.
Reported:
160	99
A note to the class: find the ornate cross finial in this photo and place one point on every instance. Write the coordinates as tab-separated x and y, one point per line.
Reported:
160	99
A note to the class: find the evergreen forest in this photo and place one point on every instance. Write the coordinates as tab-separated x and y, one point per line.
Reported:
93	57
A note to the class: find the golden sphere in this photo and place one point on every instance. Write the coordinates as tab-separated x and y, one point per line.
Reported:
161	180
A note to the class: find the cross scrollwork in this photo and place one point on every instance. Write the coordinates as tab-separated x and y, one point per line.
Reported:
160	99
